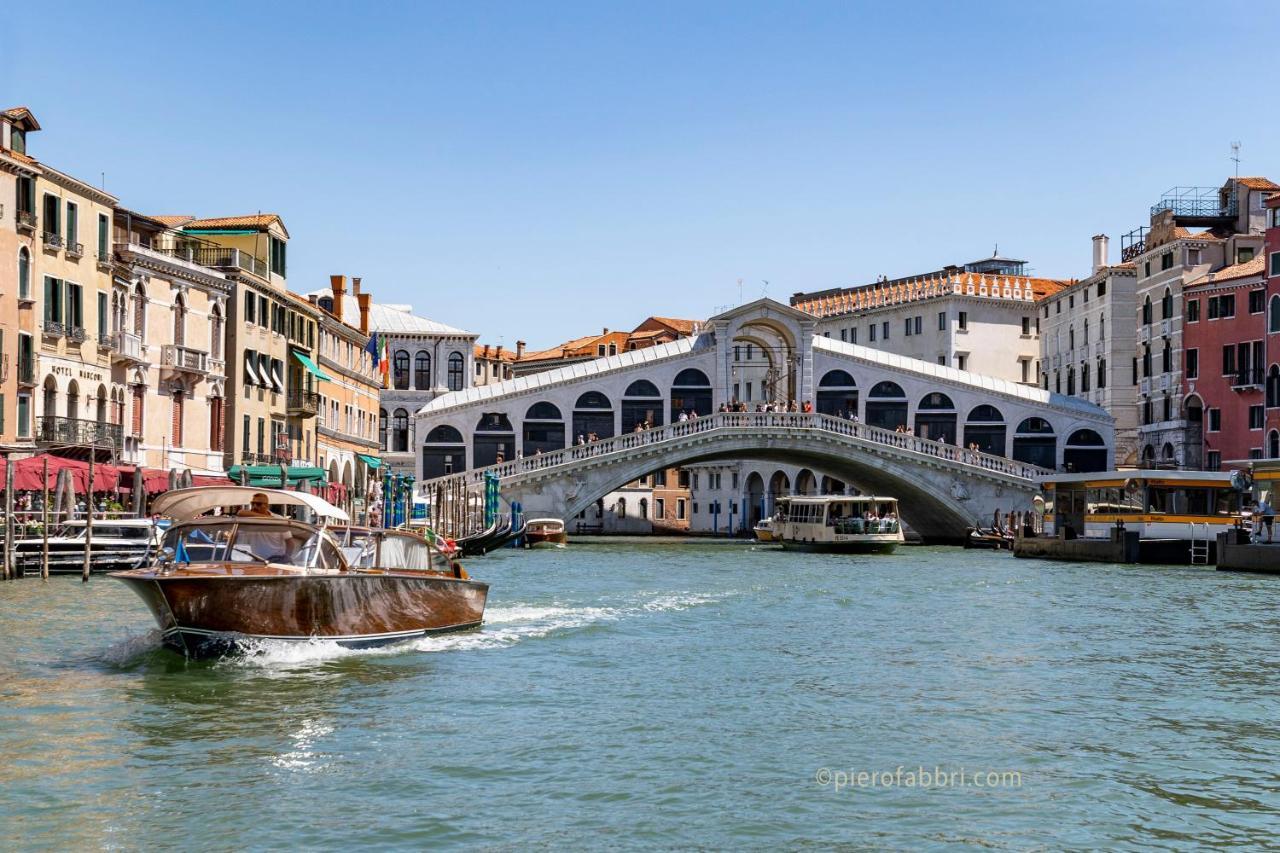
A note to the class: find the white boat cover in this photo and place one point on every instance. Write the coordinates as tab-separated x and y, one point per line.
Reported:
184	504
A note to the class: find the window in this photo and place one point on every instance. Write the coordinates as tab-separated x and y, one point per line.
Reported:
1166	358
1229	360
422	371
177	418
278	248
1257	301
1255	417
400	431
1274	268
1146	360
962	361
963	321
907	329
1146	311
1071	301
102	315
455	371
853	335
400	370
872	333
884	329
244	436
919	324
1193	257
52	300
75	306
1102	373
24	416
1193	310
1191	359
1084	378
1026	369
1244	254
659	508
1166	261
24	273
382	429
1273	325
1227	305
1214	460
1071	381
1166	305
264	312
52	215
262	437
680	509
250	300
1102	288
1215	420
1146	269
844	336
1026	326
942	320
73	224
1071	338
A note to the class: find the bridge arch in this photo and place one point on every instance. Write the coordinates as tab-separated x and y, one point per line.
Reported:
806	482
754	493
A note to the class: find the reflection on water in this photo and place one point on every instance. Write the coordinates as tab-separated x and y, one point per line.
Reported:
668	695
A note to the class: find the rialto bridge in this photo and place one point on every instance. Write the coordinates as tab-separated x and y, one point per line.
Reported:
561	440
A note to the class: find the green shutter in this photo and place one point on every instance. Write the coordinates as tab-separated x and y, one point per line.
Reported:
102	315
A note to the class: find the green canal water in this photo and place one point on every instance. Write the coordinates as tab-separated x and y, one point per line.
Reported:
671	695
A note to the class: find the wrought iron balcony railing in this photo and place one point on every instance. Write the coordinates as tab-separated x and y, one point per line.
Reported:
52	241
77	334
258	459
304	403
54	329
106	342
26	221
75	250
216	257
75	431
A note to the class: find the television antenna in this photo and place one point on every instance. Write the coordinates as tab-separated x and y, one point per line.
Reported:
764	291
1235	156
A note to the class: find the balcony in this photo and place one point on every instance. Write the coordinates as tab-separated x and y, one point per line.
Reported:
179	359
217	257
26	222
52	242
26	369
217	366
1198	205
74	431
1248	379
1133	244
106	343
303	404
126	347
75	250
77	334
53	329
258	459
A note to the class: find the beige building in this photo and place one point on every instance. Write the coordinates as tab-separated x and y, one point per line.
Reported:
165	331
347	420
17	248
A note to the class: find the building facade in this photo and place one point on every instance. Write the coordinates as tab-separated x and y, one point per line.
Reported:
1273	328
1087	345
980	317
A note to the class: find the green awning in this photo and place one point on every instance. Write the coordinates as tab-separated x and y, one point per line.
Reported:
311	365
371	461
268	476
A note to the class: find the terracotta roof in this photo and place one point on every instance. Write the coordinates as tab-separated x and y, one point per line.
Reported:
490	352
685	327
1259	183
173	221
1244	270
20	114
21	158
257	222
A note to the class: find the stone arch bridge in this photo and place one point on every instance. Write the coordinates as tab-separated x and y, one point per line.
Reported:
561	440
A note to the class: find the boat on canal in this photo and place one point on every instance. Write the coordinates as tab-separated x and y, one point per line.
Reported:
764	530
223	580
861	524
548	532
117	544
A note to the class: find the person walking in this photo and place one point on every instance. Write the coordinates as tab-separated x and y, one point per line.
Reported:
1268	515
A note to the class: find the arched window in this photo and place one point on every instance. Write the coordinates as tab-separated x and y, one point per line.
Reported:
837	394
73	401
382	429
1146	311
620	508
422	371
400	431
400	370
443	452
1102	327
1166	305
1274	325
1071	381
1273	445
641	406
1085	451
1071	337
1101	373
592	415
644	508
1166	357
642	388
140	311
494	440
1273	387
690	392
101	414
1146	360
1086	332
887	406
985	427
455	371
24	273
1084	377
215	331
179	321
444	435
1035	443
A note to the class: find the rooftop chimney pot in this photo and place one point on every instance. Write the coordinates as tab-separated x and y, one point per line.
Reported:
1099	252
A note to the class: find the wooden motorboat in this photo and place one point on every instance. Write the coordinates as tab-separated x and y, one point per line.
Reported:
988	538
862	524
123	543
545	532
764	530
222	580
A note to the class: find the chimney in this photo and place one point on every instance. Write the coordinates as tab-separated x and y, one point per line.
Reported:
605	331
355	285
519	349
363	299
497	352
338	284
1099	251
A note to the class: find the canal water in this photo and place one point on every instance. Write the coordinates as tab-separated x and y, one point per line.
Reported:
660	695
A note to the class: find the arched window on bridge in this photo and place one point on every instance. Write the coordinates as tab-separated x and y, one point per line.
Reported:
494	440
887	406
691	391
641	403
936	418
1085	451
400	431
1035	443
985	427
443	453
543	429
837	394
400	370
592	415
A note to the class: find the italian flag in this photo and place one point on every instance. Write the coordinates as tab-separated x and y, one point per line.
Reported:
384	362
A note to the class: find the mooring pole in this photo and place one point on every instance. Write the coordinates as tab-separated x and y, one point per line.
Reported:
88	524
44	522
9	527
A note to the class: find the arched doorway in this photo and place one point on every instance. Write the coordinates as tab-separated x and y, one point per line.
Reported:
806	482
494	440
690	391
1085	451
1034	442
592	414
1167	454
936	418
985	427
641	404
443	453
1194	447
1148	456
1273	381
887	406
543	429
779	487
755	498
837	394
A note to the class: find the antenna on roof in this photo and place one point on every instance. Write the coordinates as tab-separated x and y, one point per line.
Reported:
739	290
764	291
1235	156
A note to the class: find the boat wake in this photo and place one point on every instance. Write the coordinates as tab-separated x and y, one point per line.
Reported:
504	626
131	648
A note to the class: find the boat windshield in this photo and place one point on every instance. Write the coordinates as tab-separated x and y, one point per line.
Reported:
107	530
215	541
398	551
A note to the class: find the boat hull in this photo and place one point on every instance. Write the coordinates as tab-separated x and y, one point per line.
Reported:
557	538
866	547
203	614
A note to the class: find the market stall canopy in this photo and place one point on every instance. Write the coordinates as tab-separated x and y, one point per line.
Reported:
183	504
28	474
371	461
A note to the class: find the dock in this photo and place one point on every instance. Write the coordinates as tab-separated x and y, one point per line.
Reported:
1237	554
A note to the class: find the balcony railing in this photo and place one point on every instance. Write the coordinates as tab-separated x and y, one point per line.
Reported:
184	359
74	431
126	346
304	403
77	334
217	366
52	241
26	369
1197	203
106	342
258	459
75	250
1133	244
26	221
216	257
54	329
1249	377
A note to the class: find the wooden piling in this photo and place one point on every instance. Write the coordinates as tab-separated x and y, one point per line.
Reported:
9	528
44	522
88	526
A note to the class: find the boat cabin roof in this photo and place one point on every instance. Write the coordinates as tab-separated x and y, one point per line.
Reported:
827	499
1152	477
185	504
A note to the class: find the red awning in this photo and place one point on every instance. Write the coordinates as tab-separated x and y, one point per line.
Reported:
28	473
210	480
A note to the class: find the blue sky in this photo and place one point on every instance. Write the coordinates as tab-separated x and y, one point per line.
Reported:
540	171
